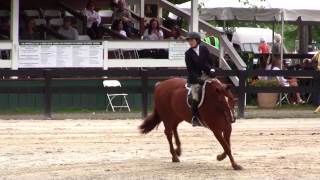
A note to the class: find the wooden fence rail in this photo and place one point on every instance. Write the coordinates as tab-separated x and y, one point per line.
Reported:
47	75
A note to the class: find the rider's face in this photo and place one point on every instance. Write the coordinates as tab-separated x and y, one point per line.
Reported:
193	43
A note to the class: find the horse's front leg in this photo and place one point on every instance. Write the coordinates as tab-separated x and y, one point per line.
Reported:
227	150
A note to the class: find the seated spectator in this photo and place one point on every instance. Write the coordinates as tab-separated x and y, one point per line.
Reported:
93	20
30	31
153	32
118	27
316	60
67	30
287	82
175	33
122	13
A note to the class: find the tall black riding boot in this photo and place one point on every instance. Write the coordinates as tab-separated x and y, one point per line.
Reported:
195	114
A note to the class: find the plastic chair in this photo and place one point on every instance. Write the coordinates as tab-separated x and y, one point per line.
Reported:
112	97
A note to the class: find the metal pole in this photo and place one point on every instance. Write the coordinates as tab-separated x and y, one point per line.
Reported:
194	18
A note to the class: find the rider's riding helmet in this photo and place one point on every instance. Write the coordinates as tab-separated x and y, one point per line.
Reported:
194	35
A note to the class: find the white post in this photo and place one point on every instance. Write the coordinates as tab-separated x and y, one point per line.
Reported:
282	37
142	8
14	33
194	19
142	4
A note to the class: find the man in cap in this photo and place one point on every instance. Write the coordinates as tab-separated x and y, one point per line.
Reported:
200	68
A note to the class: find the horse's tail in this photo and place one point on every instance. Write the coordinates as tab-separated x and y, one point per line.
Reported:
150	122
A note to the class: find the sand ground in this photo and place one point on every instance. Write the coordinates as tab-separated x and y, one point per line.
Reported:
105	149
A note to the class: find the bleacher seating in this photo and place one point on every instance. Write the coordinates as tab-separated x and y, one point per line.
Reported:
49	14
40	21
56	22
32	13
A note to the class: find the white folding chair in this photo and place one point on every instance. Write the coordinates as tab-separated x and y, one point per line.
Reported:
112	97
283	98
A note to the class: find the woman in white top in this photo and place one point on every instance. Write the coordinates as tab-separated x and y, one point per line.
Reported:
117	26
93	20
276	64
153	32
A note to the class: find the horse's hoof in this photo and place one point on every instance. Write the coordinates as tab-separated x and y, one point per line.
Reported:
178	151
237	167
221	157
175	160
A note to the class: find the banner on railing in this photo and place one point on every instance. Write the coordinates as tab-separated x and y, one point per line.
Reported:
177	50
60	55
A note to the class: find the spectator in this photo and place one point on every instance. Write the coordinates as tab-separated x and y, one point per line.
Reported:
316	60
93	20
287	82
264	47
67	30
276	48
153	32
118	27
122	13
30	31
175	33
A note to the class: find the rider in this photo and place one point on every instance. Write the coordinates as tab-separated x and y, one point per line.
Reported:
200	68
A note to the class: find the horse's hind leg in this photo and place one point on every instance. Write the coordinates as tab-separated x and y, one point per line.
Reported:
226	135
177	140
168	133
227	149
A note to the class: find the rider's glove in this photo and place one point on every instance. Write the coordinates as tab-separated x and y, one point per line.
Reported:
211	73
201	82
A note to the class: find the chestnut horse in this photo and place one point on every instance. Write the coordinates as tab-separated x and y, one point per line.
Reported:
170	107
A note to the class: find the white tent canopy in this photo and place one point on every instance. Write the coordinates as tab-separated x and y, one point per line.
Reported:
269	10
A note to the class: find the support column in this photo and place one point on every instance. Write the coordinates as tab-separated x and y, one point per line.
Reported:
14	33
142	4
194	19
303	38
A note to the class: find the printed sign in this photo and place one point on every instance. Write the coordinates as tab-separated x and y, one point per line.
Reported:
177	50
60	55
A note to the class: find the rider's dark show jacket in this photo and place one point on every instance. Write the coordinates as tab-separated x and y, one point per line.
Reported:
198	64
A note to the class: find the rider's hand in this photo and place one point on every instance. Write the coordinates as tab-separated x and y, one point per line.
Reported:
201	82
211	73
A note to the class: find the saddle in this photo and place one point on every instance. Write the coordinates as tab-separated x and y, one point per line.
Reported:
201	92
